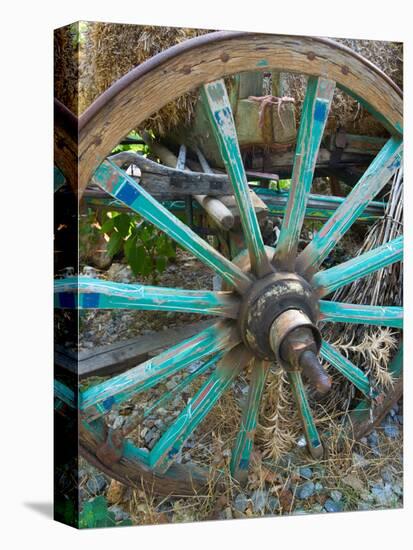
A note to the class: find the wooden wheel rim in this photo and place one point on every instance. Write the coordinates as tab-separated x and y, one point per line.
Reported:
144	90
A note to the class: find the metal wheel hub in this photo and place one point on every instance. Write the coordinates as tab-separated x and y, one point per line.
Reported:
267	299
277	321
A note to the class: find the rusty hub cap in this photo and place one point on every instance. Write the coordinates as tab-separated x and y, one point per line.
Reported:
277	322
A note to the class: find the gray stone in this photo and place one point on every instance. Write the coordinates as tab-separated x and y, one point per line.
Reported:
317	508
383	495
150	434
318	487
241	502
306	490
160	424
366	496
336	495
259	499
391	430
170	385
96	484
397	489
332	506
373	439
306	472
299	512
386	475
119	514
359	461
273	504
399	419
363	506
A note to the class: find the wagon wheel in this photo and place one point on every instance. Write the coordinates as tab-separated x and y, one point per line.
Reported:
276	297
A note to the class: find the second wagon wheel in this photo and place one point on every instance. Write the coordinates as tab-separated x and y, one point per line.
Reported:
276	298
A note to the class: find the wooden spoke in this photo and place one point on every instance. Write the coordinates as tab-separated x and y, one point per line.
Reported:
175	436
373	180
340	275
118	184
98	400
314	115
311	434
179	388
86	293
219	112
346	368
241	454
385	316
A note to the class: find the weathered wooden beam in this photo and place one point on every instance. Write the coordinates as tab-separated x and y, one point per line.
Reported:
116	358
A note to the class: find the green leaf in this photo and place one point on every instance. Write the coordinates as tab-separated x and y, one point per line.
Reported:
146	233
161	262
114	244
135	256
122	224
107	227
146	266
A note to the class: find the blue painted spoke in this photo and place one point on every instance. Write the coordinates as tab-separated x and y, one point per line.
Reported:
373	180
346	368
340	275
122	187
385	316
219	112
100	399
241	454
175	436
167	396
64	394
88	293
311	434
314	116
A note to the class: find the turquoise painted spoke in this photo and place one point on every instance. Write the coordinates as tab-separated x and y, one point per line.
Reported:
179	388
219	112
175	436
346	368
340	275
88	293
59	179
122	187
64	394
314	116
241	454
373	180
311	434
385	316
100	399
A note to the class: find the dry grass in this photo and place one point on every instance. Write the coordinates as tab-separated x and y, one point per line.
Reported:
111	50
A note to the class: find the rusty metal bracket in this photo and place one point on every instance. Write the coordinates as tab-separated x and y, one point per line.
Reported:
111	450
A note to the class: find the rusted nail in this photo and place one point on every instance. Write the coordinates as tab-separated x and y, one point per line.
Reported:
311	56
224	57
186	69
345	69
